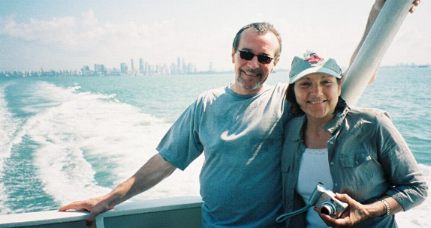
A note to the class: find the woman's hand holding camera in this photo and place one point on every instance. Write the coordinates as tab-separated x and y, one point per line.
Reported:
355	213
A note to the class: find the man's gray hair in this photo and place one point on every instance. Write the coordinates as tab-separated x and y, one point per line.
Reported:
261	28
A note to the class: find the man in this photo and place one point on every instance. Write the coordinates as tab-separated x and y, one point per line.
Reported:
239	129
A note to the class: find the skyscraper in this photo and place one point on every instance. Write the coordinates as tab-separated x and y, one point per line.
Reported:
132	67
141	66
123	68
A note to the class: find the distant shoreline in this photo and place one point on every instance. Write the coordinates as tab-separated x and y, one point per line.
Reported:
407	66
52	73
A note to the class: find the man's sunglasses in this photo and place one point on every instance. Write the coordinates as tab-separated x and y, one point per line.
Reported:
262	58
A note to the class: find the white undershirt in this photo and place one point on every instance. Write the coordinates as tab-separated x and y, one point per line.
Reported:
314	168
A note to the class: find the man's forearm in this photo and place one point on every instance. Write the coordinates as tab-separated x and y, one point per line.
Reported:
150	174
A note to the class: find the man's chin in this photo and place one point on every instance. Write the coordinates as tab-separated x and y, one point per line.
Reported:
247	87
254	87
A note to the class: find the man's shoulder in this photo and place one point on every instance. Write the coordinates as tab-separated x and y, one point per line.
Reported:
279	87
212	93
210	96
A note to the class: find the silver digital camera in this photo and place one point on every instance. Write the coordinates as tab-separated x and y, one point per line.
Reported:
322	199
326	202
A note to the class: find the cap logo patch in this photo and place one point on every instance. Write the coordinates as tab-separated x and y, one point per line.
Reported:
313	58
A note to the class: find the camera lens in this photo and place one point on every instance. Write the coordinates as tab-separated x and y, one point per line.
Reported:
327	209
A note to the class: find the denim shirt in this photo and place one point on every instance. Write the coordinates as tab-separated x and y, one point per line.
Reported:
368	159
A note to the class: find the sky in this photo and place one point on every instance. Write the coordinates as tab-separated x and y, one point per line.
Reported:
64	34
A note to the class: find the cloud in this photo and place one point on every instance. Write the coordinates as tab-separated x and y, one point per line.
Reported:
69	32
57	30
86	40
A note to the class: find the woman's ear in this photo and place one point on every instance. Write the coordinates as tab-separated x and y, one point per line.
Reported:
340	86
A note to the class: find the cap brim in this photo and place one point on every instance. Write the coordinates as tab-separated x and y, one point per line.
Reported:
312	70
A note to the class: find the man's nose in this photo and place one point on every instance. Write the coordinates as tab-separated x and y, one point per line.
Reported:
254	62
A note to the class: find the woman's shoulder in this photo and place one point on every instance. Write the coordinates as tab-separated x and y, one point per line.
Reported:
368	113
297	120
294	126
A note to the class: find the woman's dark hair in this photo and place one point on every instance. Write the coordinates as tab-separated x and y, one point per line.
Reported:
297	111
291	98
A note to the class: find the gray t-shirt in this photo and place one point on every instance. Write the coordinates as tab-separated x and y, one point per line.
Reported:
241	137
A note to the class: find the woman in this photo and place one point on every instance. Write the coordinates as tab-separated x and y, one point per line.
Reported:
357	153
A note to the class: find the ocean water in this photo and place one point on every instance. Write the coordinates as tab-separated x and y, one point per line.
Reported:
69	138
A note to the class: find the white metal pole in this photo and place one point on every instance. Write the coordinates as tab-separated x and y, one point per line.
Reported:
373	48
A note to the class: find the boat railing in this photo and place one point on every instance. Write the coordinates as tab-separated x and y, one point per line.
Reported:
169	212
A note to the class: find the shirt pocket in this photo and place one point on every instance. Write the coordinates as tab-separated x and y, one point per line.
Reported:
355	158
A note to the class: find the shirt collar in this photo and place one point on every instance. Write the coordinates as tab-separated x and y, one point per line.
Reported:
334	124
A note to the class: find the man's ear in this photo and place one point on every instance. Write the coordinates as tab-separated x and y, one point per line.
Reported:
276	60
233	55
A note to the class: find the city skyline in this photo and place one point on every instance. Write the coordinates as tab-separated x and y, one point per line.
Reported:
141	68
148	70
68	35
180	66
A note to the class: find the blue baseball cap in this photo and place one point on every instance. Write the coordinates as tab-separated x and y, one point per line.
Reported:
312	63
